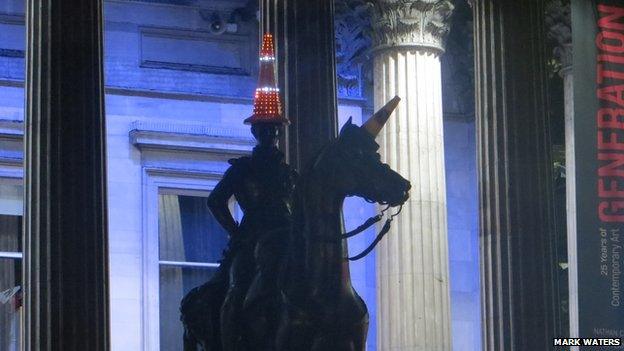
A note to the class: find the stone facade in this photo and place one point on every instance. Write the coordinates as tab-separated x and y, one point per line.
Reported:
176	98
177	93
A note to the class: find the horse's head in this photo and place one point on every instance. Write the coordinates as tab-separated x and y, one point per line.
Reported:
364	174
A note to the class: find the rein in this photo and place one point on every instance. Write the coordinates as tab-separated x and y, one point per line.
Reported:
382	233
367	224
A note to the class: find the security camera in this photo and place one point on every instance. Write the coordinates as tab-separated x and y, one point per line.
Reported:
216	24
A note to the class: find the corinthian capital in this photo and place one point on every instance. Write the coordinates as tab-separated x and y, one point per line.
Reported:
422	24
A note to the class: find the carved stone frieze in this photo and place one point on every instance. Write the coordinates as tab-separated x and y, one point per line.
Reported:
410	23
351	28
558	23
458	65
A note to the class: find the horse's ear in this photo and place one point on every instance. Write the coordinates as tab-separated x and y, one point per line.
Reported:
347	123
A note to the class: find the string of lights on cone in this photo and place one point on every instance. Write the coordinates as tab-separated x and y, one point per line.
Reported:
267	103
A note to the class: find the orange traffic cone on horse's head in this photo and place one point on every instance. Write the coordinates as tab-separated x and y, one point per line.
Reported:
377	121
267	104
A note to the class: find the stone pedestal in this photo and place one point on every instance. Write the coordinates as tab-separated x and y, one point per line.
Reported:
412	261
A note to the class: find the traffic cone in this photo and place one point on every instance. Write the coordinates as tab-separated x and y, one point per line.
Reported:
267	104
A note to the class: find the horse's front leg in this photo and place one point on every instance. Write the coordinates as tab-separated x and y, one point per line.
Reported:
295	331
345	325
359	335
359	330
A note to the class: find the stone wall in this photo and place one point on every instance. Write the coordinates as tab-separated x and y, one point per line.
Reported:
463	235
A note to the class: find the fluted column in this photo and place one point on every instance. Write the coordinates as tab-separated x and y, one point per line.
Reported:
308	75
558	21
558	16
568	91
65	246
412	262
518	261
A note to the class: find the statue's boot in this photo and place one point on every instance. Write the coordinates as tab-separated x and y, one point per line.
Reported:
233	322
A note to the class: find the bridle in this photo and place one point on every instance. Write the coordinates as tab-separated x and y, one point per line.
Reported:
367	224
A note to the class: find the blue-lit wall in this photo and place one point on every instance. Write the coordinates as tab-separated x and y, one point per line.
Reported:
159	73
164	72
463	236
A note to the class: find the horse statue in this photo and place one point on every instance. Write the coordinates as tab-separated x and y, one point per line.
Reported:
320	310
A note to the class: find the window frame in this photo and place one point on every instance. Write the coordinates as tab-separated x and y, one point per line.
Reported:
158	181
11	176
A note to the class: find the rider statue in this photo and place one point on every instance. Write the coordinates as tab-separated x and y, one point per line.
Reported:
262	184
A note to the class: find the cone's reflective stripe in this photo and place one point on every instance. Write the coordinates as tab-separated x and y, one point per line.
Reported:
267	102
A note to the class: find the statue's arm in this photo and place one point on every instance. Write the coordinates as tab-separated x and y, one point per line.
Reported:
218	202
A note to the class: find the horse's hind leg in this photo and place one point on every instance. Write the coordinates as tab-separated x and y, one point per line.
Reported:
190	343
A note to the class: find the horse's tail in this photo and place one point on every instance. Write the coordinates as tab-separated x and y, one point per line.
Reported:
200	314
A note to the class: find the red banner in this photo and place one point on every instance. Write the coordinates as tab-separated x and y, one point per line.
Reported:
598	41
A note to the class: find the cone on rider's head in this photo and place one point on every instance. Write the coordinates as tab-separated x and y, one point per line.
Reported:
267	104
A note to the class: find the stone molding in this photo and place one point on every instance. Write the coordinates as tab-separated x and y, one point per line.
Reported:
419	24
167	137
12	142
183	173
238	51
11	130
197	138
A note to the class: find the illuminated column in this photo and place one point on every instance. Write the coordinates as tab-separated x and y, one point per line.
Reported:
568	91
559	23
413	311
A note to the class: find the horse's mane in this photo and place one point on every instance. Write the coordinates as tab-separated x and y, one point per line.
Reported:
294	266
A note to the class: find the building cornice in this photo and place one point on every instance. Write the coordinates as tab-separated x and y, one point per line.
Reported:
169	137
190	138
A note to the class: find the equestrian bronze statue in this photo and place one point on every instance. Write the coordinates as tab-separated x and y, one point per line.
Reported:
284	283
